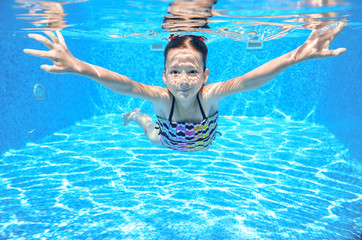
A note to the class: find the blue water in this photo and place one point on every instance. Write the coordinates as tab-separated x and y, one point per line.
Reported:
262	179
287	166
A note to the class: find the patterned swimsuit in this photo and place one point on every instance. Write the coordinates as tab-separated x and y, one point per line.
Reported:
187	136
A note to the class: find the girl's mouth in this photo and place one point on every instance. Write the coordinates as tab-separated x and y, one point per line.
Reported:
185	90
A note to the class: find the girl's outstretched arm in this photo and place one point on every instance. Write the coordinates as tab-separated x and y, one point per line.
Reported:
65	62
315	47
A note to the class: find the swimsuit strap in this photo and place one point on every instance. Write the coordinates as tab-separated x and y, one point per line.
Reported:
171	112
202	110
173	105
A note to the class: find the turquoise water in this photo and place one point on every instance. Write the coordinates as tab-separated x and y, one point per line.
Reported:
262	179
287	166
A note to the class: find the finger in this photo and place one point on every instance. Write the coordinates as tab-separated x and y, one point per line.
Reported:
37	53
51	69
341	26
337	29
338	51
52	36
332	53
61	38
41	39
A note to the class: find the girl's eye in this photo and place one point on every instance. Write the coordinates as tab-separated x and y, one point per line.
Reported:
193	72
174	72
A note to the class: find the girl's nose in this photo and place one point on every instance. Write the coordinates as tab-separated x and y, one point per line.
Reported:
184	83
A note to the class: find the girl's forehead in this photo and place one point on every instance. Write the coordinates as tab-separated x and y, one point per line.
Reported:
178	55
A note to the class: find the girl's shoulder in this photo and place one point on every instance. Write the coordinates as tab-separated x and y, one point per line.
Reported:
163	106
208	102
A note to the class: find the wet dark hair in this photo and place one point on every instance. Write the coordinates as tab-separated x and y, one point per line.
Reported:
187	41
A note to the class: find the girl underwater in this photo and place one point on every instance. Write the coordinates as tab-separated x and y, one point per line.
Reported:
187	108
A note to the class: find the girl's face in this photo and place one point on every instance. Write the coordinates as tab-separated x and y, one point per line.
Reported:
184	73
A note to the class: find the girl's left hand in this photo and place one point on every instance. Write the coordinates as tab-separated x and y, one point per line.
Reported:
317	44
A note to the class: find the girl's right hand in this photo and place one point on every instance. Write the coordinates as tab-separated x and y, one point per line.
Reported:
63	60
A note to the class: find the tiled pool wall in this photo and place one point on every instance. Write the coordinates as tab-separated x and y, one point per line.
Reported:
324	91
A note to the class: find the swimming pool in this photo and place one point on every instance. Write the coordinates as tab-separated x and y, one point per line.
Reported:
287	166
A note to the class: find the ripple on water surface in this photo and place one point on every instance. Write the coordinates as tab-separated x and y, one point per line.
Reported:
262	179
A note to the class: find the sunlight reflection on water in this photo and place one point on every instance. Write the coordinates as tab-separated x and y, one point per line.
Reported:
248	22
289	180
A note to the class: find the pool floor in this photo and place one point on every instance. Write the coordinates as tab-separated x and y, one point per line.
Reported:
264	178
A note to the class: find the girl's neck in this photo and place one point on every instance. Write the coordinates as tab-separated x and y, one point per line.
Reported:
185	106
